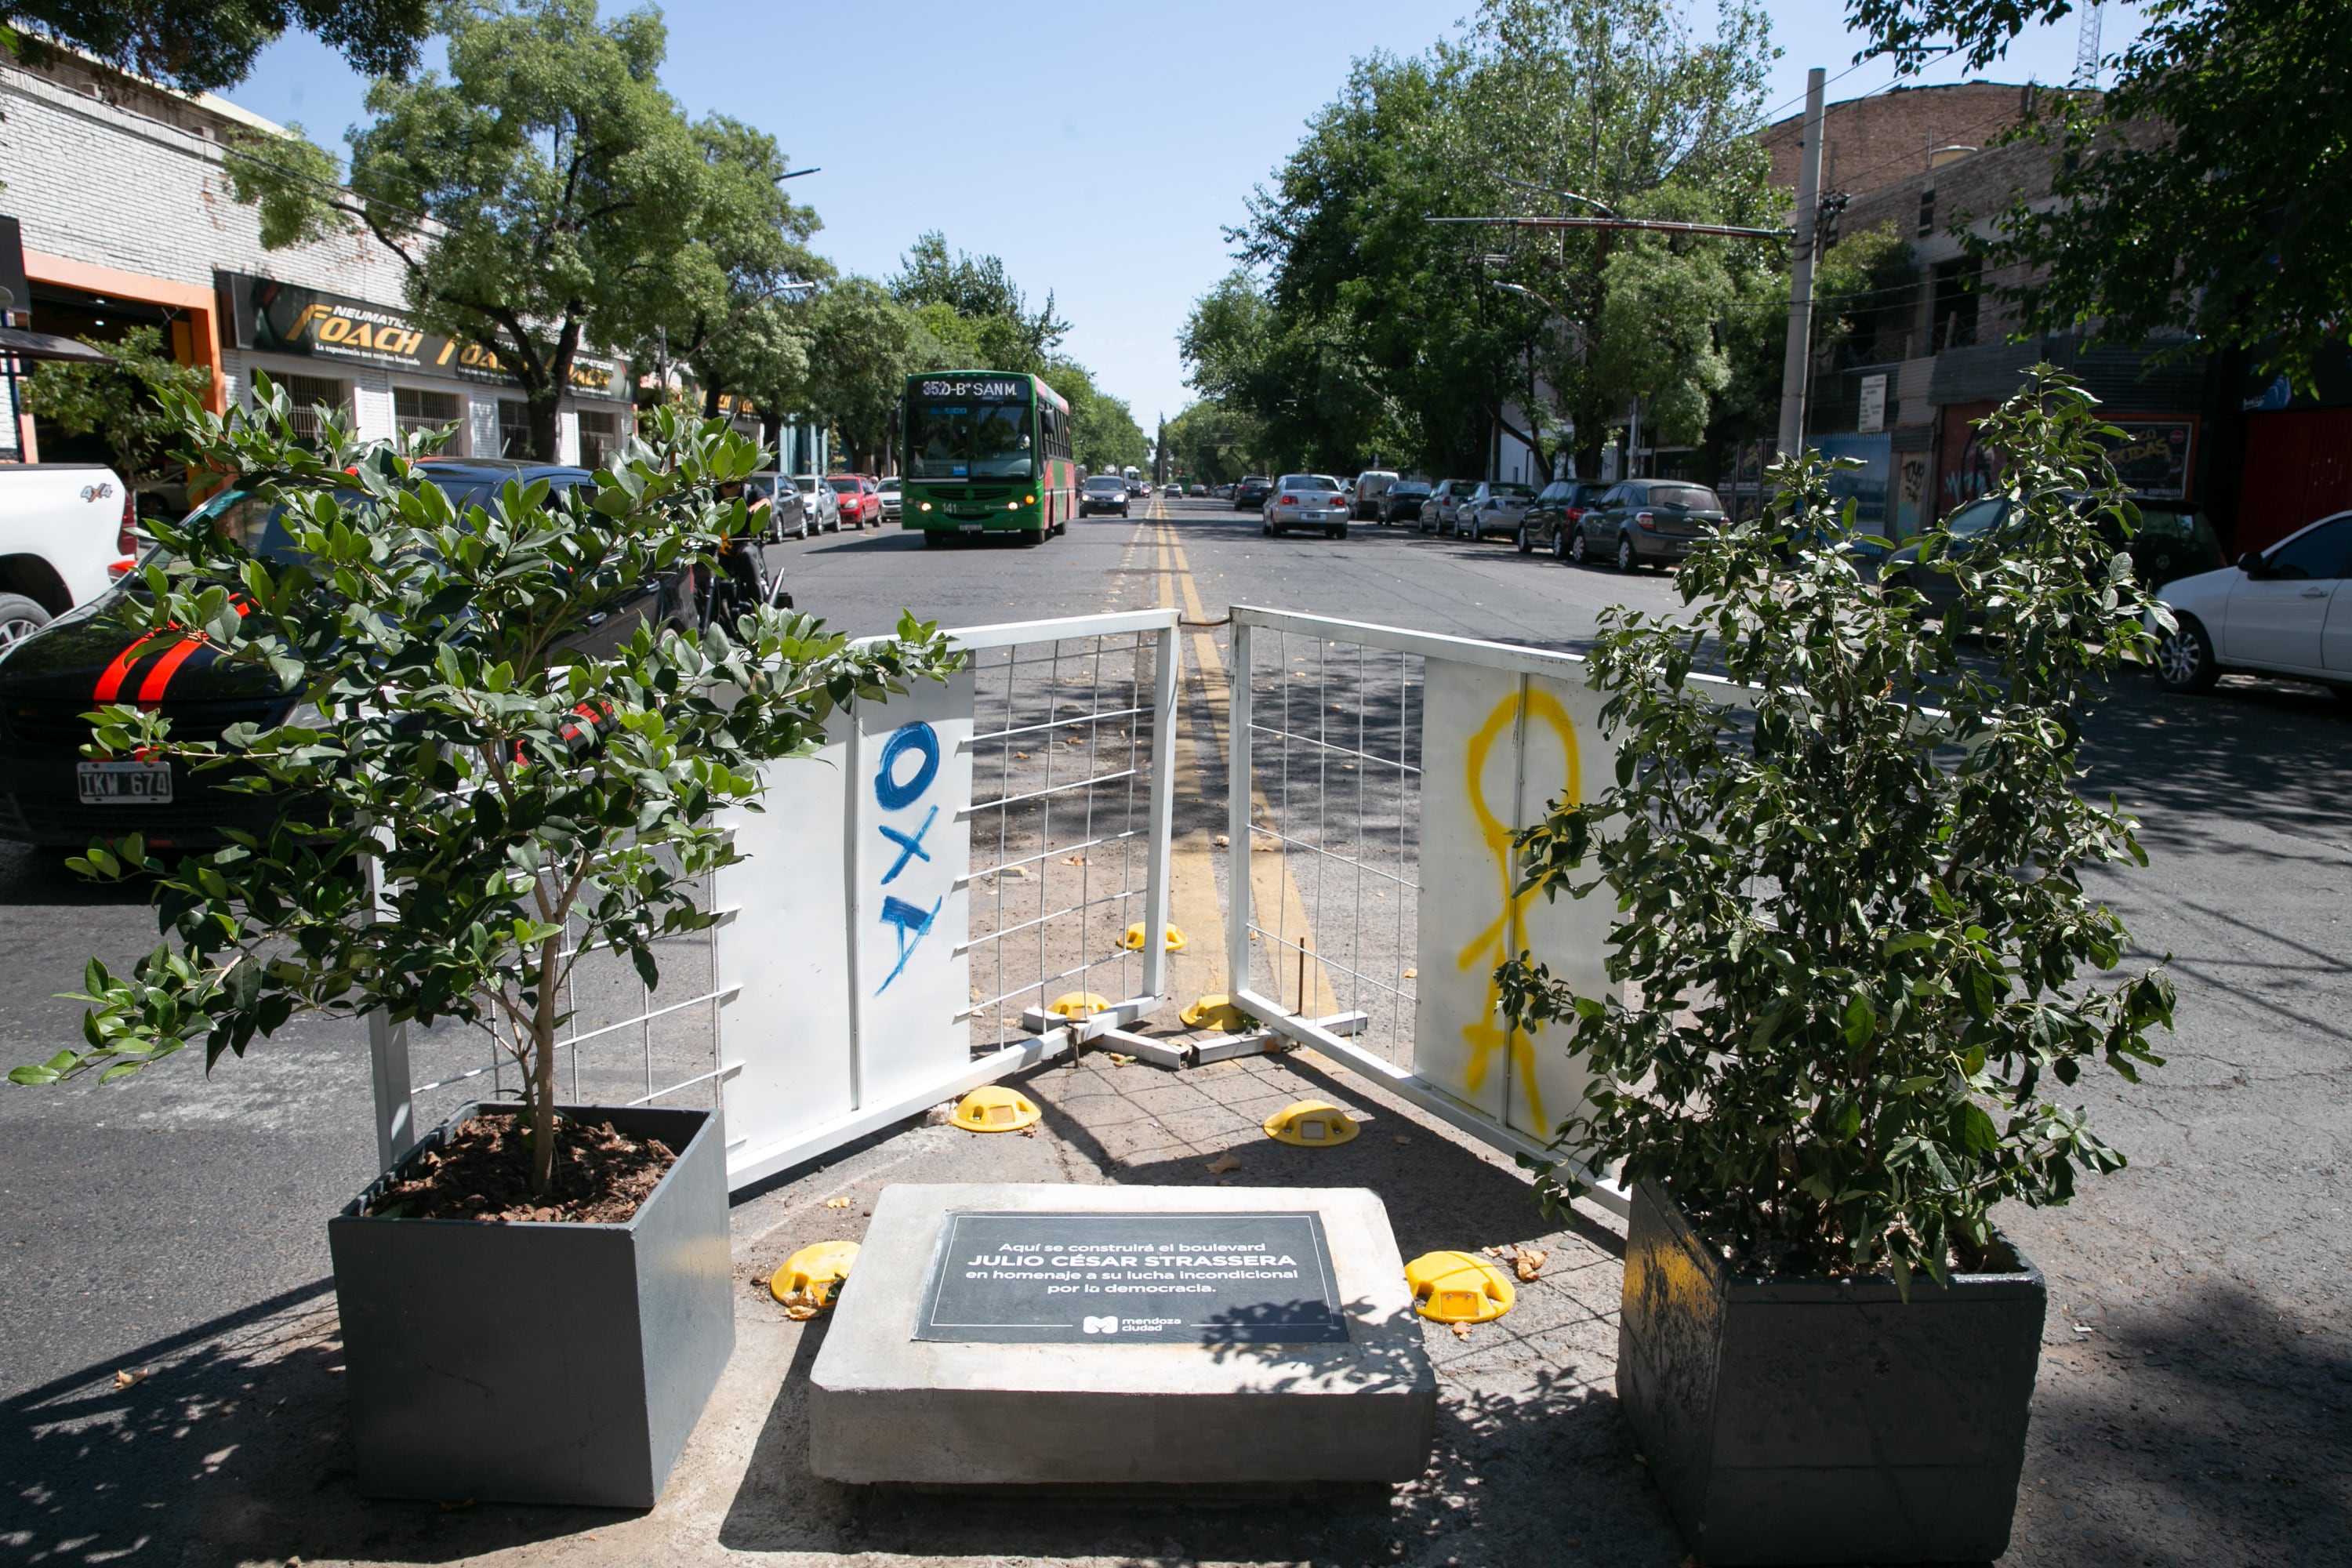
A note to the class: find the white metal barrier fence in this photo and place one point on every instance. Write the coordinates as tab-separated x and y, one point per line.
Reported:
916	899
1378	778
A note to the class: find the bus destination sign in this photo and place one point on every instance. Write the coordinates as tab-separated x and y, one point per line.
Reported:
1130	1278
984	389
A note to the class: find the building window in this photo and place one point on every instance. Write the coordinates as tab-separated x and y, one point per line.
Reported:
600	436
1956	304
1927	212
514	429
309	394
416	412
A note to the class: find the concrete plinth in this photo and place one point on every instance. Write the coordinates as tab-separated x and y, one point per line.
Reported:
886	1406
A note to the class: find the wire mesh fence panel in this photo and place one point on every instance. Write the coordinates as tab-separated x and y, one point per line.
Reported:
1334	737
620	1042
1062	844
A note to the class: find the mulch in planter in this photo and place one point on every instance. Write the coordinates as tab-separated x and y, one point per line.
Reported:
482	1171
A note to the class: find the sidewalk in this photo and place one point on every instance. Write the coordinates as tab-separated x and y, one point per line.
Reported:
231	1449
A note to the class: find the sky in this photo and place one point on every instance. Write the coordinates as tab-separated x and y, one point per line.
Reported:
1102	164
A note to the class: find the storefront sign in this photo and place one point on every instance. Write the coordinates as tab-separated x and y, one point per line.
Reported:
1873	418
2152	458
270	317
1132	1279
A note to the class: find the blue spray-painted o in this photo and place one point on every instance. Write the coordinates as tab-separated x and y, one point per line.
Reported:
893	795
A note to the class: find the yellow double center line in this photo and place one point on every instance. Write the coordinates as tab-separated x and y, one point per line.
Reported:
1192	904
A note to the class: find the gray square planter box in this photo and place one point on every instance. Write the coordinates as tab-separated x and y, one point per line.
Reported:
530	1362
1809	1420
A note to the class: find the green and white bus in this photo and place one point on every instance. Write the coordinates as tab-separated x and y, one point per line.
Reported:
987	452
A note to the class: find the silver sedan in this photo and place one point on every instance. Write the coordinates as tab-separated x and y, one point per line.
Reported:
1305	500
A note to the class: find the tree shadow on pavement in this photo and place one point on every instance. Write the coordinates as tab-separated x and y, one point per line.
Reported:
225	1444
2221	1433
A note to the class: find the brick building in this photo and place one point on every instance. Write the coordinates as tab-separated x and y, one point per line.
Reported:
1867	142
118	191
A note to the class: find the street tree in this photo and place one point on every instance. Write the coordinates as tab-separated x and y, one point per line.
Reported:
733	283
541	195
1451	330
203	46
862	344
122	402
2206	192
1104	436
977	291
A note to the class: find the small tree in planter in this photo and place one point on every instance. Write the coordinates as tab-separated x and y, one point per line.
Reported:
477	787
1856	935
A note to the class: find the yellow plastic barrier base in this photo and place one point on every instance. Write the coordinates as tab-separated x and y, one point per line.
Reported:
992	1108
1133	940
812	1276
1079	1004
1458	1288
1217	1012
1310	1124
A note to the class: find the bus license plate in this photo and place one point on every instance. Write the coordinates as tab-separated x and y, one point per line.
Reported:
122	784
970	527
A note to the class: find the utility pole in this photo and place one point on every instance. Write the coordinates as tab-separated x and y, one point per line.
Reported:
1794	367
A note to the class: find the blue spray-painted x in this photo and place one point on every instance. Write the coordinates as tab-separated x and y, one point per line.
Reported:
914	922
909	848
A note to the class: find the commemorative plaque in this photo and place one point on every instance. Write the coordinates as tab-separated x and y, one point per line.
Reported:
1035	1277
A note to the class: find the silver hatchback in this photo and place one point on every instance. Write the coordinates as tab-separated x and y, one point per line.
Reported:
1494	510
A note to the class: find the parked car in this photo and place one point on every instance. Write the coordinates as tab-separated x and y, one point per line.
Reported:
2286	610
68	531
1250	494
1197	491
861	501
1370	486
1656	521
51	796
823	506
1550	522
2172	540
1444	497
1305	500
1104	492
788	511
887	489
1494	508
1403	501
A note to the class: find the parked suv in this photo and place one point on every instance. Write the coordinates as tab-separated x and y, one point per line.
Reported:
1444	497
1104	492
1656	521
1495	506
1551	522
68	532
1250	493
2173	541
1403	501
1370	486
2286	610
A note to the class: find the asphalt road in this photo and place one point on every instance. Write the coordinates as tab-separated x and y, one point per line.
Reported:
2198	1370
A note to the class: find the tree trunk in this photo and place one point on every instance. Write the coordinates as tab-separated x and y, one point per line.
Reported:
543	1072
544	434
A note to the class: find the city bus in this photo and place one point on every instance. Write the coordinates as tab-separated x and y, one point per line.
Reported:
987	452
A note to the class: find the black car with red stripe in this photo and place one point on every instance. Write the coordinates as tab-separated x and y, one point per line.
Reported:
51	796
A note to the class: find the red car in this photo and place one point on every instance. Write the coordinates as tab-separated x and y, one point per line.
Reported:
861	500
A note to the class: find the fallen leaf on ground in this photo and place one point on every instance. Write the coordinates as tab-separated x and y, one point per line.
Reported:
1074	860
1410	972
1022	755
1030	1131
130	1379
837	1203
1222	1163
1529	1262
1222	842
1461	1331
1118	1057
1404	1139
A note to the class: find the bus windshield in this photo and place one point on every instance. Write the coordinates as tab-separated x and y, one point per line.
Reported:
968	438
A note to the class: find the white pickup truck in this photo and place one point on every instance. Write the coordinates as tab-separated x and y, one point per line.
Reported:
67	534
